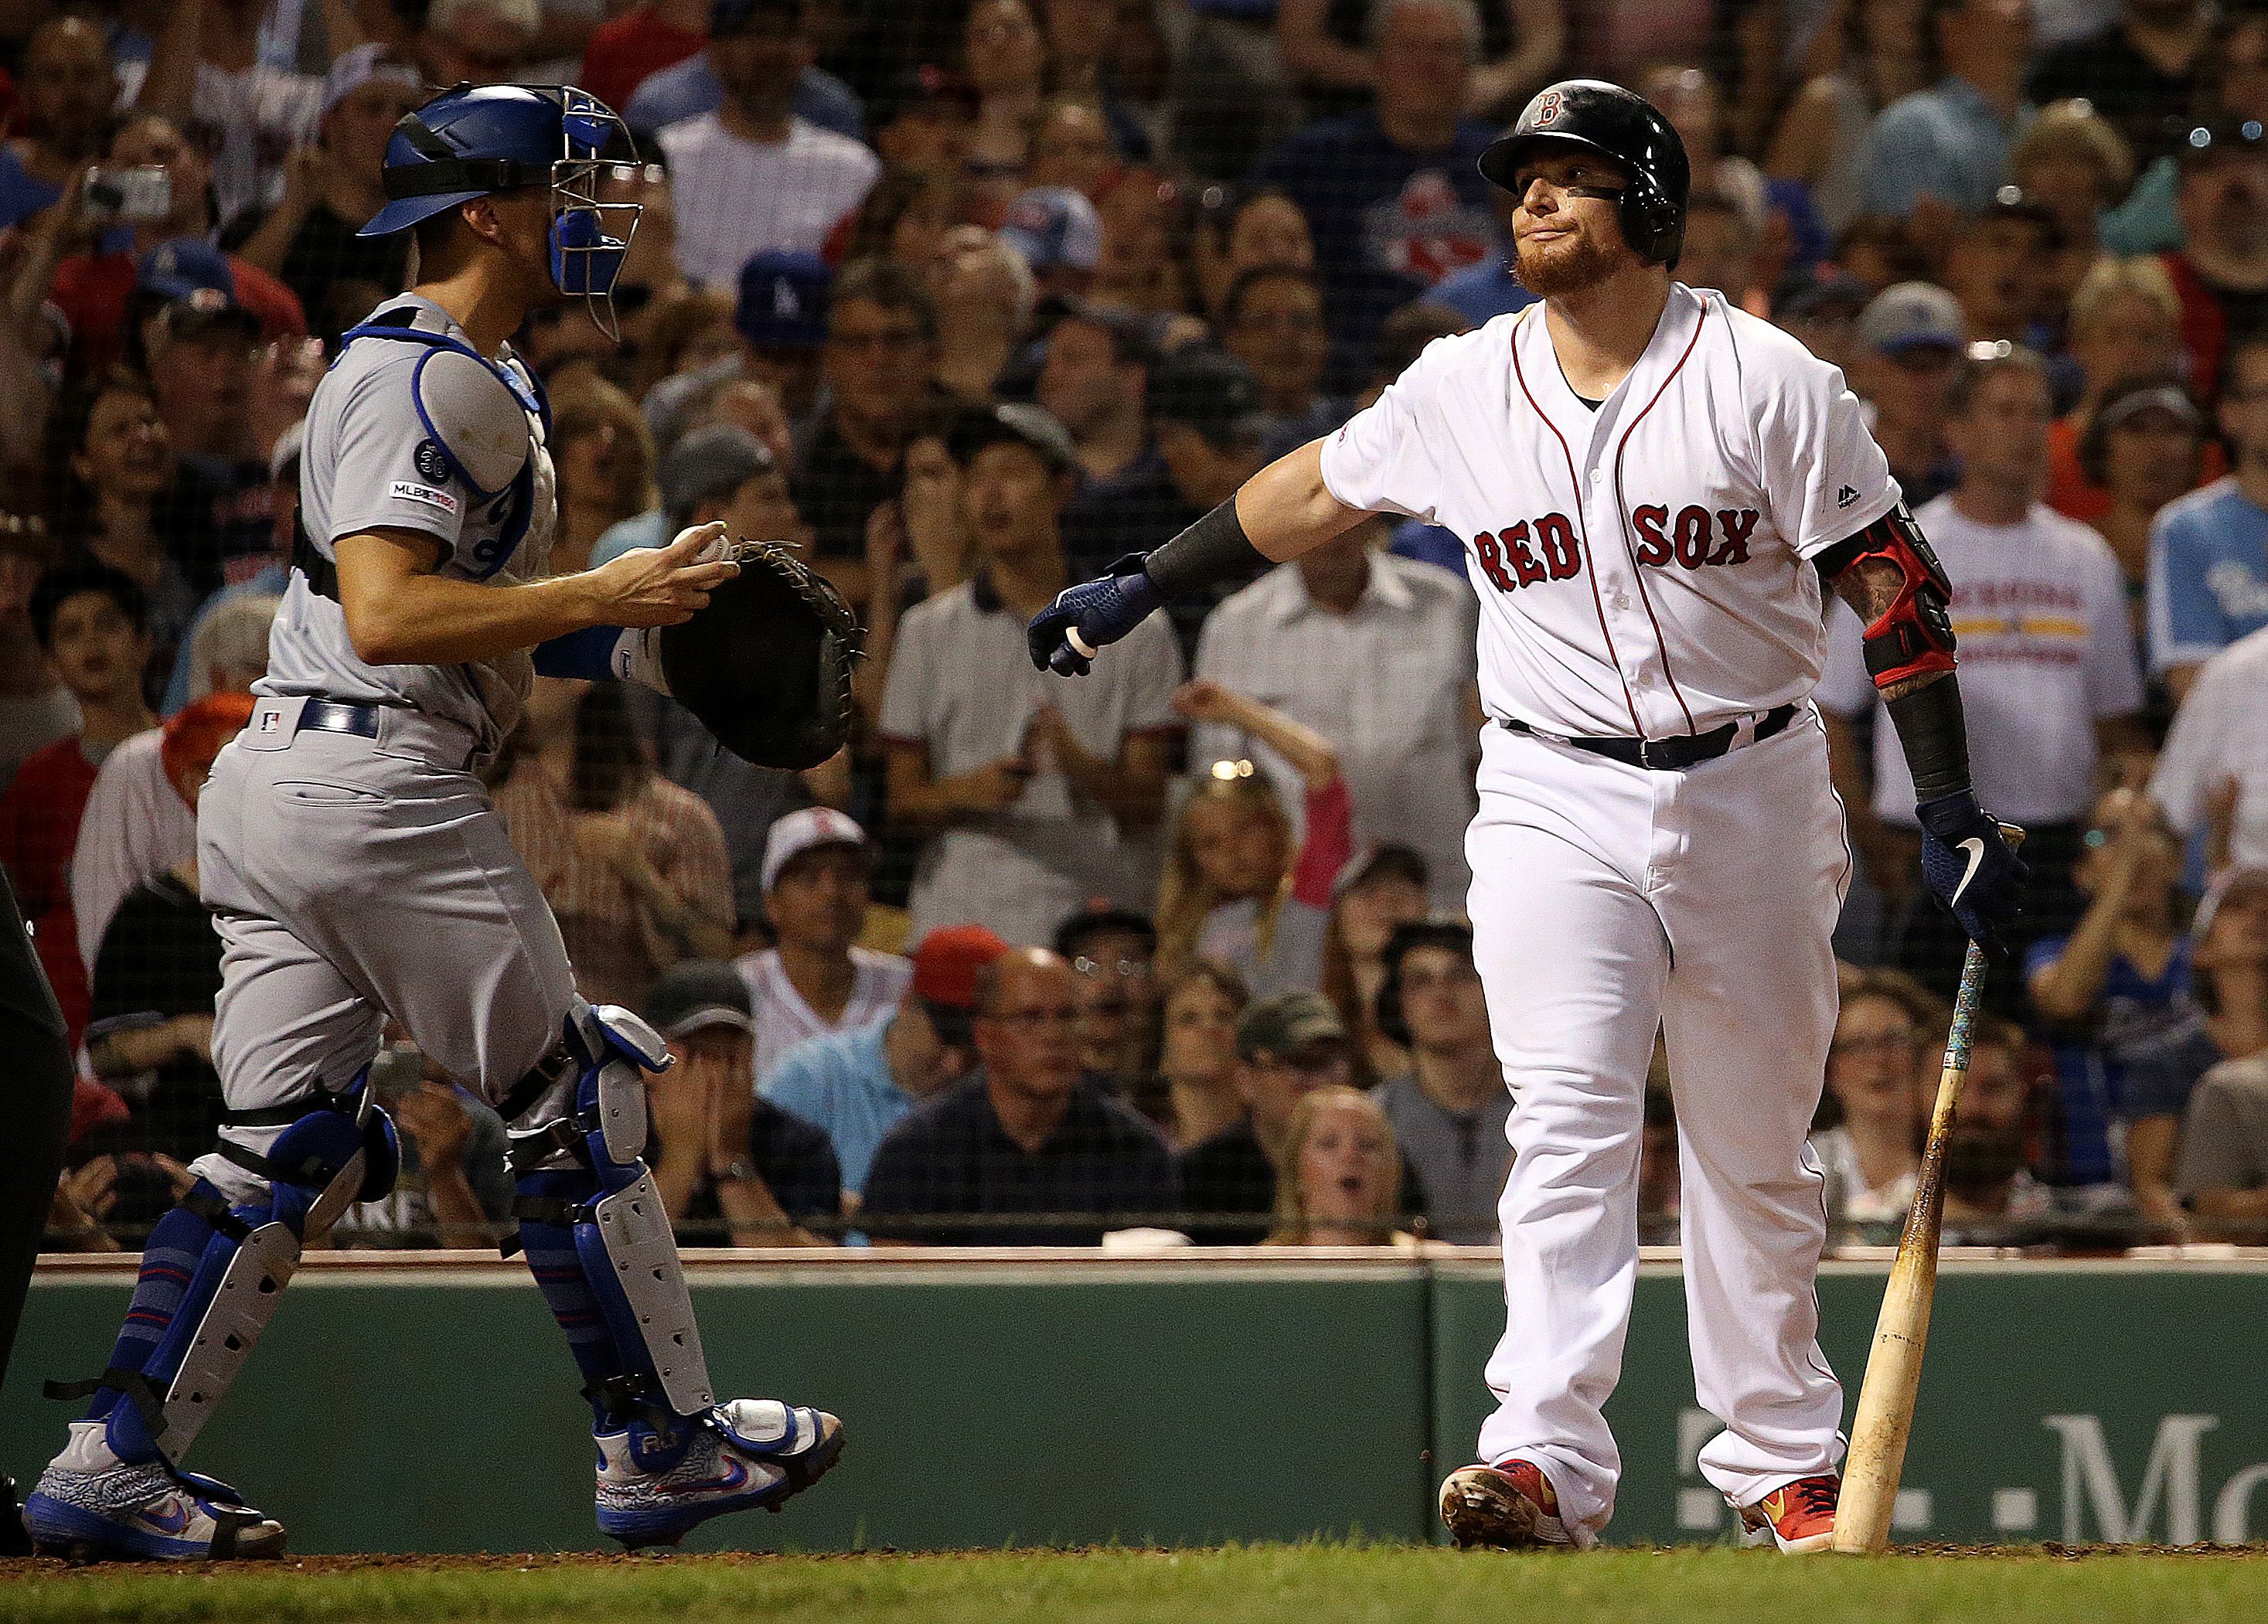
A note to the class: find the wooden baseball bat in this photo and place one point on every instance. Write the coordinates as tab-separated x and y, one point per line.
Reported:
1886	1397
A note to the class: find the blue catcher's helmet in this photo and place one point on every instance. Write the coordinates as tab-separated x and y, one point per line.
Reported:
469	142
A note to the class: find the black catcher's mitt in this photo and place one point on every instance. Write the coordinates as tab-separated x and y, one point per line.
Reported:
767	664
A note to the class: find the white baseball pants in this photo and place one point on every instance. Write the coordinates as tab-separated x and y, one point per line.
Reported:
1607	901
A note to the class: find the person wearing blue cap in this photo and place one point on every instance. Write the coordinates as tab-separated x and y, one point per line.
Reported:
357	870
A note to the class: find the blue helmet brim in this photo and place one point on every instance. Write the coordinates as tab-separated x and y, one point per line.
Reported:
404	212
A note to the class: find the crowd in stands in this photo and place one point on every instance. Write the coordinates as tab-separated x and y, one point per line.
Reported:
967	299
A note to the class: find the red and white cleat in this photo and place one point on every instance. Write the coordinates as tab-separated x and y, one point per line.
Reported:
1506	1508
1799	1517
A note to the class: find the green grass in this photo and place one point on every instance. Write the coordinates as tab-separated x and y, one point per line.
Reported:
1264	1584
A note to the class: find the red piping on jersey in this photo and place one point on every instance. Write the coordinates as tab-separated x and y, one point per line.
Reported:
1621	511
1589	573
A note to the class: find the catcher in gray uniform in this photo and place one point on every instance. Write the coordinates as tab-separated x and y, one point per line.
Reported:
357	870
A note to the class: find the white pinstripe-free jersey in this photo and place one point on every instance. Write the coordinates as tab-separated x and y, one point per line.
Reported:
784	1020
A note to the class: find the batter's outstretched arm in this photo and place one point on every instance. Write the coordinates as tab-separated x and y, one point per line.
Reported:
1278	514
1888	576
399	611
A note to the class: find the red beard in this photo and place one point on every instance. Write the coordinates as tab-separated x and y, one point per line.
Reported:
1568	266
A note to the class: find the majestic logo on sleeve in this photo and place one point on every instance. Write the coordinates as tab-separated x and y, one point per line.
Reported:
1845	496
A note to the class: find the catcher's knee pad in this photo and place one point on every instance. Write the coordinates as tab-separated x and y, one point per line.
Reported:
587	1173
213	1272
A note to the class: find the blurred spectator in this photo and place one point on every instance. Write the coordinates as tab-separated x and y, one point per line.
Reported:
1995	266
718	471
2120	979
1272	321
479	41
2229	975
634	45
1322	45
1071	140
1036	794
719	1149
1102	940
206	375
1687	97
690	331
2142	449
1286	1046
2123	323
1139	263
816	979
2208	573
149	1031
205	76
2049	675
634	867
1449	1111
227	652
109	1196
454	1189
1239	885
881	347
1881	251
858	1082
1722	248
902	219
1196	1055
1004	59
1113	951
1991	1191
2145	64
1242	229
331	187
984	296
752	174
2221	271
1346	1173
2214	768
1393	194
64	97
224	634
1907	347
1094	380
2223	1176
604	457
1949	143
1863	57
1080	34
1384	889
1875	1077
1821	310
2233	87
781	318
918	544
1026	1142
695	84
36	709
93	264
1374	653
2072	163
1231	96
1055	232
1481	293
1206	420
93	628
114	463
931	112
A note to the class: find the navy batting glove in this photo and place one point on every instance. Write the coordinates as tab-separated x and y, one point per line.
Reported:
1967	864
1067	634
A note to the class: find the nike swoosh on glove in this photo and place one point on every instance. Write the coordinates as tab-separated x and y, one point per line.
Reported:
1968	866
1083	619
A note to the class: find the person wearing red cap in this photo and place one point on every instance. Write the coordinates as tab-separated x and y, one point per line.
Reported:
857	1084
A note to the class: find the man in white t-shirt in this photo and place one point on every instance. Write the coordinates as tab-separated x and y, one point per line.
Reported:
818	863
2049	672
2215	763
751	175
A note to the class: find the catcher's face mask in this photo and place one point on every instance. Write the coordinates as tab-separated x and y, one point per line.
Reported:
591	235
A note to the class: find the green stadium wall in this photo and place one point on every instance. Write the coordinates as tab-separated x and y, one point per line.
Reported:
431	1408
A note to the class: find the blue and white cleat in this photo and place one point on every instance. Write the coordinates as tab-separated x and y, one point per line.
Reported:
91	1506
744	1452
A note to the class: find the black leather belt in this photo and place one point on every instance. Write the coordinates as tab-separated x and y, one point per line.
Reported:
328	715
1667	755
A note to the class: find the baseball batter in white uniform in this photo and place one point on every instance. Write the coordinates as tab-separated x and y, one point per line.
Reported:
1653	488
357	870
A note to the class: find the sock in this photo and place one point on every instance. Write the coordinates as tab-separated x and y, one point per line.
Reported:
558	1271
169	1264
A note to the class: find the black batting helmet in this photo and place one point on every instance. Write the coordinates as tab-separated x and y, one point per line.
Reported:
1616	124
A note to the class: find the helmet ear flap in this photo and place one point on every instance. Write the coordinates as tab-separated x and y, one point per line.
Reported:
1652	223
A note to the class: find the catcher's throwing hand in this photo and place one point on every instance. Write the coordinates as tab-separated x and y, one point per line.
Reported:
1968	866
1067	634
667	586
